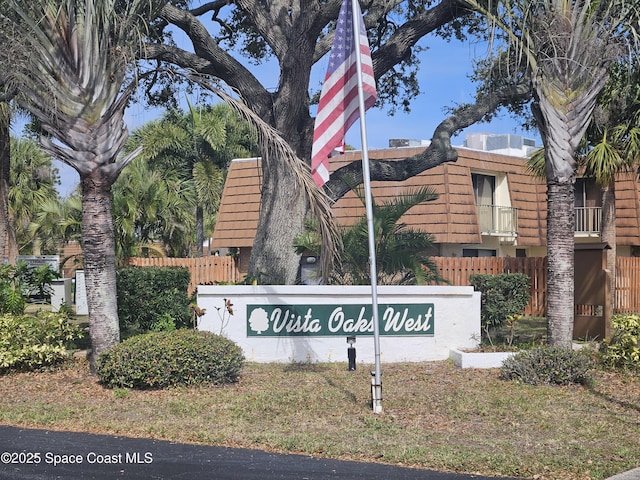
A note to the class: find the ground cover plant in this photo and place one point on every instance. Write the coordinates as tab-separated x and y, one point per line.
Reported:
35	340
550	366
622	350
435	416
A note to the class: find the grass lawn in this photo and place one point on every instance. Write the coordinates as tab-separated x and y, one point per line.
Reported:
435	416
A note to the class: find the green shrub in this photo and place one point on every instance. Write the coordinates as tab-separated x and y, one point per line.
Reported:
503	295
622	351
152	299
20	281
549	366
14	289
164	359
40	280
29	342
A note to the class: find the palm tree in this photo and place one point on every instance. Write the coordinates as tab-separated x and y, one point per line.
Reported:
614	140
72	63
32	183
151	206
568	47
57	221
198	146
401	252
611	146
7	239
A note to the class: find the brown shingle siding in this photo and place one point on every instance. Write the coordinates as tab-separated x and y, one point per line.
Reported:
627	210
452	218
240	206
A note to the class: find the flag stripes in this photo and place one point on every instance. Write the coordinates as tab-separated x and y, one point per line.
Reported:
339	103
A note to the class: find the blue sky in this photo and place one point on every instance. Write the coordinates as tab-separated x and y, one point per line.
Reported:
443	81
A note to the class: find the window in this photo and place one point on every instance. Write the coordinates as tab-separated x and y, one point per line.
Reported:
484	187
588	197
587	193
478	252
495	215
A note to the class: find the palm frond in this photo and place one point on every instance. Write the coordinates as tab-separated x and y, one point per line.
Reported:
535	165
274	146
603	161
70	60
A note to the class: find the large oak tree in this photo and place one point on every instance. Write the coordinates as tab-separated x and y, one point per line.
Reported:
297	34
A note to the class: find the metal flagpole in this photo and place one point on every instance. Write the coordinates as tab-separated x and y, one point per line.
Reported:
376	385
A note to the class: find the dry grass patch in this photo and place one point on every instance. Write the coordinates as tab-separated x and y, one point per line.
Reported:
436	416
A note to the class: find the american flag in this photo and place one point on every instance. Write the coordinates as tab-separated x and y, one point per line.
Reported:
338	107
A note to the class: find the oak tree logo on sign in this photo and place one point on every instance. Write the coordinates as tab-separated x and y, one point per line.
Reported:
339	320
259	320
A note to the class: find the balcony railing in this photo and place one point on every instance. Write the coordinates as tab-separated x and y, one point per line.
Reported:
588	220
498	220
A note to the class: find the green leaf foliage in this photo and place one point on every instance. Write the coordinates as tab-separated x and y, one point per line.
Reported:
549	366
30	342
18	282
166	359
622	350
503	295
402	253
150	297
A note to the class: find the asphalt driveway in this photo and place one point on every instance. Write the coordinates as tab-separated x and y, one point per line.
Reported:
44	455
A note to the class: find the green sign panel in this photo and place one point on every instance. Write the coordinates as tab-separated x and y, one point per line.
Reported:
340	320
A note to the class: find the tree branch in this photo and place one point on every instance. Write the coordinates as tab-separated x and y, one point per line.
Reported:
272	23
208	59
399	44
438	152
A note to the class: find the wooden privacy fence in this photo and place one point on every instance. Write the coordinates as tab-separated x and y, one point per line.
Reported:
204	270
627	298
456	270
627	285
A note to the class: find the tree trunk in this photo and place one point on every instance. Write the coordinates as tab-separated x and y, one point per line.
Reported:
5	160
562	124
273	260
98	247
560	255
199	231
608	235
8	243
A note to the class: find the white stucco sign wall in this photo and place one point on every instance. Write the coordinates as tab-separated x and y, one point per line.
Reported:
311	323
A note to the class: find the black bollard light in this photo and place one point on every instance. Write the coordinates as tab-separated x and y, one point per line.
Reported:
351	353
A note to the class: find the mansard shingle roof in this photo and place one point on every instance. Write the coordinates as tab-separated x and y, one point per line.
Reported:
452	218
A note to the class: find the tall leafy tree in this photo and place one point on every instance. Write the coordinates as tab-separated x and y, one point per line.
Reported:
72	63
151	207
297	34
57	221
197	147
612	147
568	47
33	181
